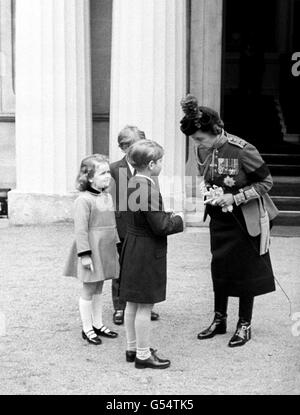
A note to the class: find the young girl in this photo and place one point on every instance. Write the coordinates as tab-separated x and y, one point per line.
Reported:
93	257
143	261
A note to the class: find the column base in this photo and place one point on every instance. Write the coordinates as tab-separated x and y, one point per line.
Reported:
39	209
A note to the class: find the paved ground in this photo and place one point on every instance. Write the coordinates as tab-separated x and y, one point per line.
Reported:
43	353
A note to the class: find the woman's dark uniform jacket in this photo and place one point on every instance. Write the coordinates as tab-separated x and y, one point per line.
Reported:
143	259
236	158
237	267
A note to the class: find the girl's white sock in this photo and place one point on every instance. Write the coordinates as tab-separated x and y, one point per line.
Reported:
97	311
85	309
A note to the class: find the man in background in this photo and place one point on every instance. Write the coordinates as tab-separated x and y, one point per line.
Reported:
121	172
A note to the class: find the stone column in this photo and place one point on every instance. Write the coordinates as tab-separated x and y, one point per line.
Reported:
53	107
7	97
148	78
205	67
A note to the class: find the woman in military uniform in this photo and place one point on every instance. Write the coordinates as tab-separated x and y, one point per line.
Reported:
240	210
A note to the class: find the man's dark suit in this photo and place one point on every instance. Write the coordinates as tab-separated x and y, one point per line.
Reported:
121	174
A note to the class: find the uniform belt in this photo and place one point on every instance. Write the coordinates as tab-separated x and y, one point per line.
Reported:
138	231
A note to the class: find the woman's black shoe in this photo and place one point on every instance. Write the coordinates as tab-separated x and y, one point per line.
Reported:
241	335
91	337
105	332
218	326
153	362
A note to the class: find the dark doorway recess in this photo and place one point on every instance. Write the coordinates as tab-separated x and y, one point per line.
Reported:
260	92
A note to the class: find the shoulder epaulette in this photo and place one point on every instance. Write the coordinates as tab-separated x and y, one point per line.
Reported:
236	141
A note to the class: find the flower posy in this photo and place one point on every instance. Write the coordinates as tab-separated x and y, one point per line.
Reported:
213	194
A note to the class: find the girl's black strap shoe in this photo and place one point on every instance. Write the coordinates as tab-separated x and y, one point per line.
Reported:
105	332
91	337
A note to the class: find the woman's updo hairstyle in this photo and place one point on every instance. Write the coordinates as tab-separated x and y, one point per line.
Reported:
199	118
87	170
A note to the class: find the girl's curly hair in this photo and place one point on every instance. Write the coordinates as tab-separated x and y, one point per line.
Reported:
199	118
87	170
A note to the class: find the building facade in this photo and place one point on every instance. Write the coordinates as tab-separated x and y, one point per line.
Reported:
74	72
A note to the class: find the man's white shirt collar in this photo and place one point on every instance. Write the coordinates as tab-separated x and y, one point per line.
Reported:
149	178
130	167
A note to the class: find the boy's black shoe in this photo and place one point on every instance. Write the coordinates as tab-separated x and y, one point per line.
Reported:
131	355
154	316
153	362
218	326
118	317
241	335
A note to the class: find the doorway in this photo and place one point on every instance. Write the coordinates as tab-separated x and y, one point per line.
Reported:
259	88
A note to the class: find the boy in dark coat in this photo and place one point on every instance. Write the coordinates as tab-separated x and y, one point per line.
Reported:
121	172
143	260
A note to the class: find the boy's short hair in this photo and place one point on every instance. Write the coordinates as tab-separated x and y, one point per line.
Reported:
142	152
129	135
87	170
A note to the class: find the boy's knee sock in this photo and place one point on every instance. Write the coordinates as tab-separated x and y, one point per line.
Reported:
143	354
142	328
85	309
129	319
97	311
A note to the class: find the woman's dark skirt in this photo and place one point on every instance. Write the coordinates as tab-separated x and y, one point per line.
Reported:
237	268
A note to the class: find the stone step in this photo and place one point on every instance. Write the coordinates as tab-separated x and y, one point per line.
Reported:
286	231
287	218
195	219
285	169
288	203
276	158
286	186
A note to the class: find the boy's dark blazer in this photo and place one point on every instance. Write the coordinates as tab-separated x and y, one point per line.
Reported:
121	174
